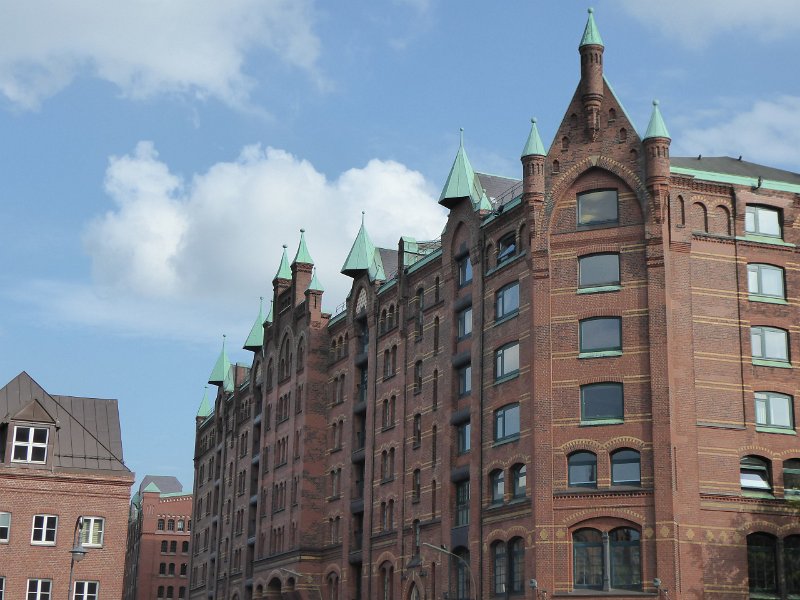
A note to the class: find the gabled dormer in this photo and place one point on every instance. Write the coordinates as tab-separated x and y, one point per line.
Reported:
27	437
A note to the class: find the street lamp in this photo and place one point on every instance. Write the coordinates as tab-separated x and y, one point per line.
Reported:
77	552
309	578
444	550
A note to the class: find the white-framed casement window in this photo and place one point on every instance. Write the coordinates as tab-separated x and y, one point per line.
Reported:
762	220
92	532
30	444
5	528
774	410
44	530
765	280
39	589
2	588
770	343
86	590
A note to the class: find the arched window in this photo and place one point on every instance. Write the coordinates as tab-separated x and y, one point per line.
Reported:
791	477
433	499
386	581
519	477
461	566
587	559
516	566
626	467
387	363
382	322
435	392
499	568
754	474
762	559
436	335
417	430
160	525
582	468
416	485
333	586
164	546
301	356
626	559
497	486
434	444
506	247
418	377
791	564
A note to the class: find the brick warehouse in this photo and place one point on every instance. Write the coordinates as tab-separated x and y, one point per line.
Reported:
60	460
584	387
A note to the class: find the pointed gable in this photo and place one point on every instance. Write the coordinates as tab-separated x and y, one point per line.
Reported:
34	412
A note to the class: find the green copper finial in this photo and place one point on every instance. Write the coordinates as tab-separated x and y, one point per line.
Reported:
220	371
205	406
255	339
303	255
315	285
591	36
534	146
284	272
656	127
461	182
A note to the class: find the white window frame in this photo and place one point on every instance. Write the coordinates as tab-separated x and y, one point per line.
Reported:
39	593
752	220
754	275
758	333
44	529
2	588
765	400
5	523
464	319
29	444
90	524
85	594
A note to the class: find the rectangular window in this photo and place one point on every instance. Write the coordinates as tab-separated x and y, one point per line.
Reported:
465	322
601	334
30	444
598	270
39	589
601	402
462	503
465	380
507	302
506	248
598	207
85	590
765	280
762	220
92	532
5	527
774	410
464	435
2	588
770	343
44	529
464	271
506	360
506	422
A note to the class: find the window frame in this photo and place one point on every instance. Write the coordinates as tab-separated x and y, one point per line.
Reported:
39	593
500	310
791	466
506	248
497	486
501	371
464	323
755	465
462	494
463	438
602	419
501	423
85	593
752	215
580	458
30	445
586	195
598	285
757	270
761	331
618	460
519	481
5	517
761	552
87	531
768	398
599	350
44	528
465	272
465	380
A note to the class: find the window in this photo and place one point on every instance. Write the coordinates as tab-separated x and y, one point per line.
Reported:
761	220
2	588
39	589
464	271
44	529
173	547
5	527
462	503
462	573
418	377
500	571
791	477
164	547
765	280
791	564
464	319
595	208
762	559
601	402
770	343
619	549
516	571
626	467
587	559
754	474
506	248
598	270
626	560
416	485
464	434
417	430
582	469
774	410
506	360
465	380
85	590
162	569
507	302
519	478
185	547
497	486
92	532
506	422
601	334
160	525
30	445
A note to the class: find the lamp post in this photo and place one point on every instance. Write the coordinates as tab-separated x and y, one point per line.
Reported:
77	552
444	550
309	578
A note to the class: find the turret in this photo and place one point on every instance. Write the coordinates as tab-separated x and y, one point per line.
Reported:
364	256
203	412
314	297
255	340
656	145
283	278
532	158
302	265
591	50
463	184
221	373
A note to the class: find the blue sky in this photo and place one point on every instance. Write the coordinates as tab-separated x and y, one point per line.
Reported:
155	155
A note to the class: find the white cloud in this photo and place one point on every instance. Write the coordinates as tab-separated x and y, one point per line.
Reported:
768	132
173	256
147	47
694	23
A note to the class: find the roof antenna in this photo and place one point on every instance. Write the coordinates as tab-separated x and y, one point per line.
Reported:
740	158
699	156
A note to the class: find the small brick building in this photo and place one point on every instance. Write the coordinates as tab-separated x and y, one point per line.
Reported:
159	535
586	387
61	474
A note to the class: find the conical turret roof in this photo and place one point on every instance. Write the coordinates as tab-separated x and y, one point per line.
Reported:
461	181
534	146
255	339
202	412
303	255
284	272
315	285
362	253
591	36
656	127
220	371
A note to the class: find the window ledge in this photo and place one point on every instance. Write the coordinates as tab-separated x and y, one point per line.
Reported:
600	354
783	430
599	289
506	440
506	317
778	364
595	422
504	264
757	494
505	378
387	428
767	299
764	239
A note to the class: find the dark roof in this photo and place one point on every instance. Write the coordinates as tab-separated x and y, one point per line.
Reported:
88	432
389	260
500	189
734	166
166	484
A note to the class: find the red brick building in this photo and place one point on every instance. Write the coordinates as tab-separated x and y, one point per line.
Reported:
586	387
159	535
62	478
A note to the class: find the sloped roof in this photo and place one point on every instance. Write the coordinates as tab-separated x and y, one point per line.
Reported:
165	484
734	166
87	430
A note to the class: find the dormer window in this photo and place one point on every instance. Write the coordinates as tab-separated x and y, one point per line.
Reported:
30	444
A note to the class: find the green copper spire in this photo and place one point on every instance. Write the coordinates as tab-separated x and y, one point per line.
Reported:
534	146
461	182
315	285
590	35
151	487
220	372
302	255
269	316
204	410
484	203
255	339
656	127
362	254
284	272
